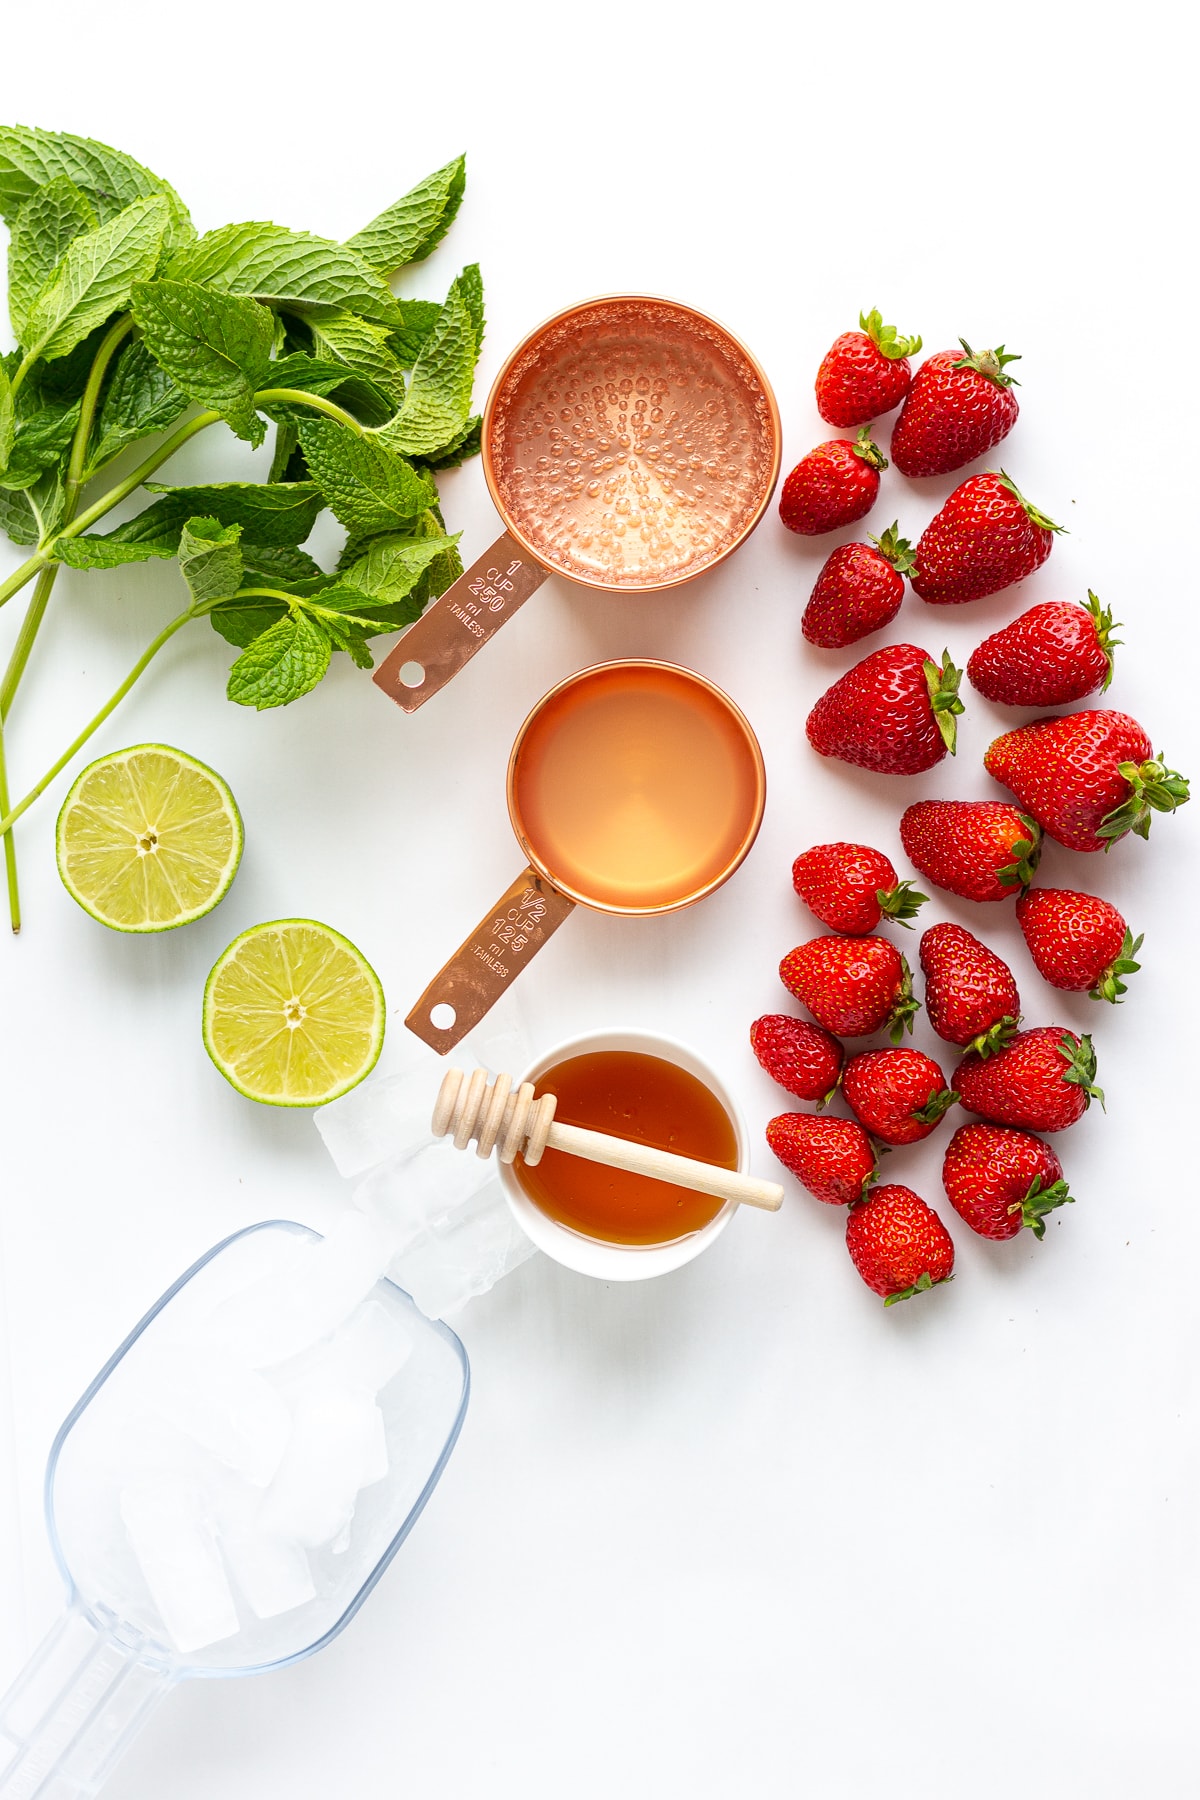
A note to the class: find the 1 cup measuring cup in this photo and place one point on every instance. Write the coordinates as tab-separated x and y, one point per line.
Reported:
634	787
230	1488
629	444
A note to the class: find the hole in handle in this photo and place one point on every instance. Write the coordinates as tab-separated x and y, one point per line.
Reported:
412	674
442	1016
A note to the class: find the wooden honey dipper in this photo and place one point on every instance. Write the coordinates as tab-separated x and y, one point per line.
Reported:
476	1108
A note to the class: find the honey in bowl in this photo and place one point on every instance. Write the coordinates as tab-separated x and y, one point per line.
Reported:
649	1101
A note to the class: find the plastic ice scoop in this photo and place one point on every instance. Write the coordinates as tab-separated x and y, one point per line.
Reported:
230	1488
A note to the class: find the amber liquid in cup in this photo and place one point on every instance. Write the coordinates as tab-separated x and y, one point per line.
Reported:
634	786
649	1101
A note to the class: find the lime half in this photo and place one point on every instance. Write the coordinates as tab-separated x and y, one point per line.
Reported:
293	1014
148	839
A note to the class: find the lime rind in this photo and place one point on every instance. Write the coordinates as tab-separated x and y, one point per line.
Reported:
119	795
251	1030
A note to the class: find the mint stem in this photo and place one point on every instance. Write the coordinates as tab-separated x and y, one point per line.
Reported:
114	700
295	397
10	851
19	577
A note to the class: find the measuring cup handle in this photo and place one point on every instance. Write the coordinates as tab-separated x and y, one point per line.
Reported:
73	1710
505	939
432	651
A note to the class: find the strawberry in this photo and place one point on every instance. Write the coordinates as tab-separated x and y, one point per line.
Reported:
1042	1080
833	485
850	887
999	1180
852	986
858	591
1053	653
970	995
1087	777
958	407
977	849
892	712
865	373
986	536
898	1095
800	1057
1078	941
898	1244
832	1158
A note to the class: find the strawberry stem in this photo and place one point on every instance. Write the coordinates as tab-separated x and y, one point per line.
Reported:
886	338
938	1103
870	452
906	1008
1152	788
1102	619
900	903
1040	1200
1081	1065
895	549
1110	986
994	1038
942	682
988	362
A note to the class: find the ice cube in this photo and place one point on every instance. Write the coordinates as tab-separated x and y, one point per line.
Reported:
170	1531
332	1453
454	1233
226	1408
370	1349
282	1314
378	1462
272	1572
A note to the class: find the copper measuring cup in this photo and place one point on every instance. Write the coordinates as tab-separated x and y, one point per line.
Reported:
634	787
629	444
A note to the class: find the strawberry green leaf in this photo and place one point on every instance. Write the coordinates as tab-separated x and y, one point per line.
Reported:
1039	1201
1036	517
1103	620
921	1285
1026	854
1080	1059
886	338
989	362
901	902
1110	986
1152	788
994	1038
943	682
870	452
895	549
906	1007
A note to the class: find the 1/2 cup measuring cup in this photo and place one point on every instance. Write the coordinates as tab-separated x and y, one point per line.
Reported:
189	1513
635	788
629	443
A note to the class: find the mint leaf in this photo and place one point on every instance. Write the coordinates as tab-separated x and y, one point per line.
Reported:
420	317
414	225
210	560
42	233
241	623
470	288
86	552
217	347
95	278
439	394
368	488
468	443
8	418
363	347
29	159
17	520
291	269
140	398
288	660
275	565
390	571
281	513
287	440
43	431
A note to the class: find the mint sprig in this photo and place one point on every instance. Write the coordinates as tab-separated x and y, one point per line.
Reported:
130	326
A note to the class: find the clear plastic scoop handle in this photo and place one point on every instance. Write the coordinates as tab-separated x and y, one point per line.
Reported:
74	1709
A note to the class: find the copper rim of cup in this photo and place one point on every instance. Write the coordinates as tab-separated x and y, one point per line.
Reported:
754	815
513	525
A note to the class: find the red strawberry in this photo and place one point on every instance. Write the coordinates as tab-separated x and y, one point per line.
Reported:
959	406
986	536
850	887
800	1057
892	712
898	1244
832	1158
833	485
1078	941
1053	653
999	1180
858	591
978	849
1041	1080
970	995
852	986
1087	777
865	373
898	1095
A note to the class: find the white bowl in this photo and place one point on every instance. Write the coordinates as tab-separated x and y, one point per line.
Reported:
594	1256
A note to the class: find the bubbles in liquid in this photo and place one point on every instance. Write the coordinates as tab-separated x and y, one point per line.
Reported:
633	443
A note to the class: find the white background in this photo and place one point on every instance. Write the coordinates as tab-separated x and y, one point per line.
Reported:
740	1530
